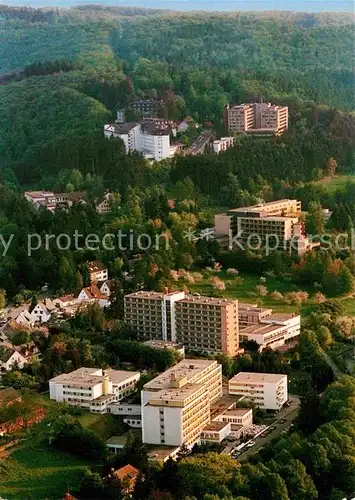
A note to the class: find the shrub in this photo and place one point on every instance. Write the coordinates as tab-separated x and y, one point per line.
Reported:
218	284
261	290
276	295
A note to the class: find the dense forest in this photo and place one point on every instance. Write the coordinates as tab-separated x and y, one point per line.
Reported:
65	73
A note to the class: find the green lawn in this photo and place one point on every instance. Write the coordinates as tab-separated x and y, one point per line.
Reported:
332	184
103	425
37	472
246	292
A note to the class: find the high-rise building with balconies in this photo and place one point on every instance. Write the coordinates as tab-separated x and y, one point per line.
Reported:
208	324
176	404
256	118
205	324
152	314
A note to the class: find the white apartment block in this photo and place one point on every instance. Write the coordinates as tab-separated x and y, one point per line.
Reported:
223	144
266	390
151	138
176	404
92	388
238	416
266	328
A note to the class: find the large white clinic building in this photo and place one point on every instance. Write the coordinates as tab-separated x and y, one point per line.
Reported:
92	388
266	390
176	404
149	137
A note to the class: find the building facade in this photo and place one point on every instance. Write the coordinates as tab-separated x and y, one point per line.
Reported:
93	389
256	118
276	223
266	390
208	324
152	314
176	404
205	324
149	137
97	271
223	144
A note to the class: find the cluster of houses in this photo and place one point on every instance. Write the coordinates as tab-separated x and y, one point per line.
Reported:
28	316
155	138
51	201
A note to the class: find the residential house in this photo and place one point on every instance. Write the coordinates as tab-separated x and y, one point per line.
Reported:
97	271
64	301
93	294
102	206
106	287
127	476
24	318
10	358
42	311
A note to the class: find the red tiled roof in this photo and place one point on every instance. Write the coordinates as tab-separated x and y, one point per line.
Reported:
93	292
127	470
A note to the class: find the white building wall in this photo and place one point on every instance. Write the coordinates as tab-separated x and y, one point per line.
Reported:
263	394
172	425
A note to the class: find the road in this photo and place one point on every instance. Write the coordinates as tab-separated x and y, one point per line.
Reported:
289	414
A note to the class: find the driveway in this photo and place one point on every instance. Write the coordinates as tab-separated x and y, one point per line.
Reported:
289	414
286	413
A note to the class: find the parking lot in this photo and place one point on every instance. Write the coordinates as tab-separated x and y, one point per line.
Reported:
281	424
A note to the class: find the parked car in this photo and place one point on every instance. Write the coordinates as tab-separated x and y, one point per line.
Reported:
252	443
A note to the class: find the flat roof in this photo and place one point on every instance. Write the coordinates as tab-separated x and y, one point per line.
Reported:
250	377
253	308
224	403
102	398
81	376
238	412
175	394
161	452
201	299
236	427
260	328
91	376
118	376
260	206
281	316
121	128
215	426
145	294
188	368
245	305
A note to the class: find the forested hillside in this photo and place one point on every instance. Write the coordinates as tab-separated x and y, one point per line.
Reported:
272	56
65	73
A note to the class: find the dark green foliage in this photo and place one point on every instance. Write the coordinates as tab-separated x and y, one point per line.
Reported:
77	440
